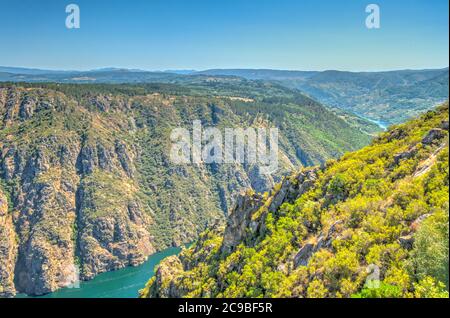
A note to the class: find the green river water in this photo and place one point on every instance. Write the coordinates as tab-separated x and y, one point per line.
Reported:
123	283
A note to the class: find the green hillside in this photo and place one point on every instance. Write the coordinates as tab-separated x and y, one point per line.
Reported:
390	97
372	224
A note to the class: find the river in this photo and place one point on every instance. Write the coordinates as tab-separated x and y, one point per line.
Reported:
382	124
123	283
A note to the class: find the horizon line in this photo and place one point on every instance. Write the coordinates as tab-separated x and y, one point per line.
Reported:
112	68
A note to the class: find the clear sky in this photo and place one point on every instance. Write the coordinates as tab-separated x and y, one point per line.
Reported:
202	34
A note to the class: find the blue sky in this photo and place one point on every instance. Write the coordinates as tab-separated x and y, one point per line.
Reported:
202	34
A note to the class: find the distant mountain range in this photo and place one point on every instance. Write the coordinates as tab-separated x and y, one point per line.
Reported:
384	97
318	233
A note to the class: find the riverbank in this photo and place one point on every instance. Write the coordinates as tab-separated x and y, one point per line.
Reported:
123	283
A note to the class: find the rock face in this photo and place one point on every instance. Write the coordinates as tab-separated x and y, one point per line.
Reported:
113	240
248	204
304	254
245	224
75	208
46	201
292	188
324	240
405	155
8	249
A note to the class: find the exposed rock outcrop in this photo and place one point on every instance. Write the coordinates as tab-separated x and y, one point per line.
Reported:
293	187
114	236
45	201
433	135
304	254
239	220
248	204
245	224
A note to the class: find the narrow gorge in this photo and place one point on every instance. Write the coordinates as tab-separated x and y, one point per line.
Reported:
88	187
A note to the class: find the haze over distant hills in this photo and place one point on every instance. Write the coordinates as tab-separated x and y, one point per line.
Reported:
387	97
85	173
315	234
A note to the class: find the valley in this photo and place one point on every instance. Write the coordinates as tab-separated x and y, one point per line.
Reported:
223	157
88	185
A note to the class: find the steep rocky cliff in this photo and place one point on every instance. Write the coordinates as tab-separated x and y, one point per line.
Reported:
90	184
8	249
73	200
372	224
